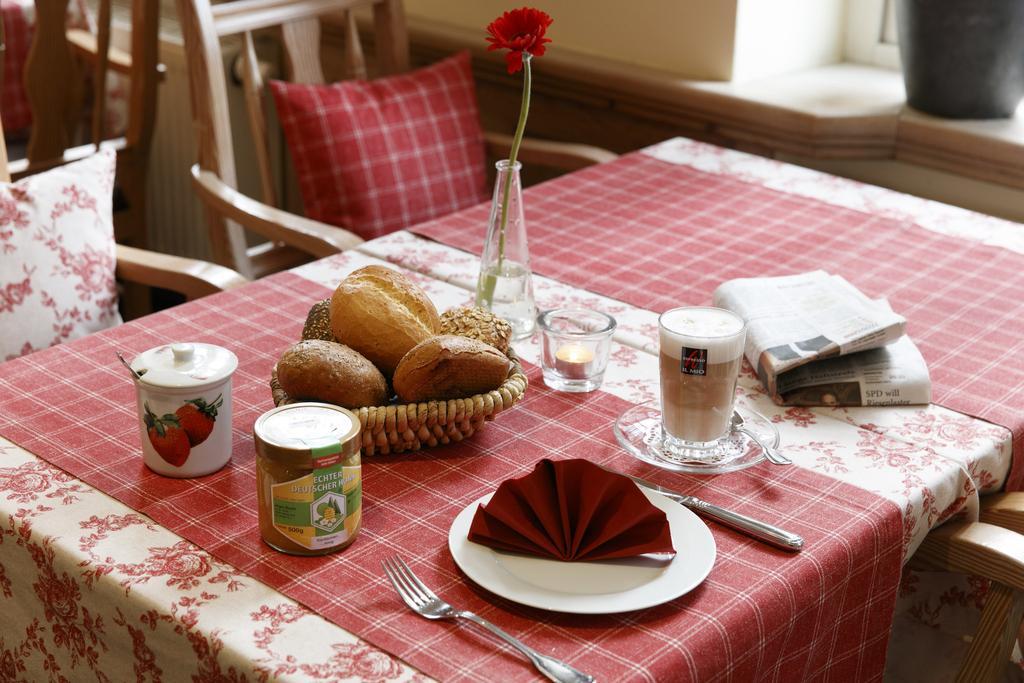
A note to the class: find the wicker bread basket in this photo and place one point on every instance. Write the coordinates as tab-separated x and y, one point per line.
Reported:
412	426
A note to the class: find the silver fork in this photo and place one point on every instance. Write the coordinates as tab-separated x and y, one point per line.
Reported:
425	603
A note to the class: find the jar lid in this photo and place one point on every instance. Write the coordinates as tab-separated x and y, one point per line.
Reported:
301	431
174	366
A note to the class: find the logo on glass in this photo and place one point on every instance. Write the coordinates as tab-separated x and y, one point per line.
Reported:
694	361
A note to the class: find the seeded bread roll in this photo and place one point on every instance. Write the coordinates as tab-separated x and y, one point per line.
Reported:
448	366
330	372
476	323
382	314
318	322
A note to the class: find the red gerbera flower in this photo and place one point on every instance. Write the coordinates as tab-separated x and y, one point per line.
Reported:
519	31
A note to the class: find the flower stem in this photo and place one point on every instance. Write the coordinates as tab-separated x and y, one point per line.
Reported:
488	281
517	140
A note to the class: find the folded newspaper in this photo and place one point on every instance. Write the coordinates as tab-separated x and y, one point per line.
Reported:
815	339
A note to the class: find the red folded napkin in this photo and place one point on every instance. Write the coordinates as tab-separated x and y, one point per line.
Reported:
571	510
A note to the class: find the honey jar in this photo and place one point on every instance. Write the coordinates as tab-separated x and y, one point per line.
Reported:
308	478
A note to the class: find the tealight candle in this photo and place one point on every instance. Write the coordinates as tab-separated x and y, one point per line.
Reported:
573	361
575	345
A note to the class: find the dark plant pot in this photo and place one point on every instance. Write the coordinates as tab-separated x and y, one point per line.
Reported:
962	59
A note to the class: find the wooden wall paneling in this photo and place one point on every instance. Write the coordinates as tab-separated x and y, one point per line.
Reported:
566	108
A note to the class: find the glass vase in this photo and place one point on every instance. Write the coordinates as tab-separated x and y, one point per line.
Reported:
505	285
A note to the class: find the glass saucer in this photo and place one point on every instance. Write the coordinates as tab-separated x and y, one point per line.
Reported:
639	431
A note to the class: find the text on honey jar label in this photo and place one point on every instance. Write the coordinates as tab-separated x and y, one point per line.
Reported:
321	509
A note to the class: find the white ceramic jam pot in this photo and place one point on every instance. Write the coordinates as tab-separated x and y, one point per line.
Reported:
184	404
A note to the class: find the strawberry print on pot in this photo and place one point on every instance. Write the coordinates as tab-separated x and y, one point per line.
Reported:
167	437
197	418
184	401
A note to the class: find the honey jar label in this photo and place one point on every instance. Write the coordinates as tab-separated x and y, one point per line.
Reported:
320	510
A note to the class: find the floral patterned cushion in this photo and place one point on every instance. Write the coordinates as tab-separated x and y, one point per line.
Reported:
57	256
378	156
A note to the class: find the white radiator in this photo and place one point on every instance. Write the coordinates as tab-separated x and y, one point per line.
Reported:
174	216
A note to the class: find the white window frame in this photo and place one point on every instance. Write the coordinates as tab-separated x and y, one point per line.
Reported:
868	24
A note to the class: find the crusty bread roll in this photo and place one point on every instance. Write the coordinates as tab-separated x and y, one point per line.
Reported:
448	366
330	372
382	314
476	323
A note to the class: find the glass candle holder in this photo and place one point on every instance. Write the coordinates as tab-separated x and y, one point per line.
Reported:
575	345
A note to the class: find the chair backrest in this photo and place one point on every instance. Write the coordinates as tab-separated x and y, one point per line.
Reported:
54	83
54	78
299	25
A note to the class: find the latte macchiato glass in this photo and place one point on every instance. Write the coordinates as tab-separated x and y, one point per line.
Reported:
701	353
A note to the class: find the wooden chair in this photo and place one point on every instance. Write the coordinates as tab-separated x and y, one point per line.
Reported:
190	278
1005	510
292	238
994	553
55	74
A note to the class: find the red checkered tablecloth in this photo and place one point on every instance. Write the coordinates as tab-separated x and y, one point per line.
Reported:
659	235
762	614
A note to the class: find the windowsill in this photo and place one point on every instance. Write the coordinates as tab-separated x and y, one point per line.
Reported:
867	106
843	91
988	150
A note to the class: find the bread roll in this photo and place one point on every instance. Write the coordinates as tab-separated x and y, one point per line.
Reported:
448	366
382	314
476	323
318	322
330	372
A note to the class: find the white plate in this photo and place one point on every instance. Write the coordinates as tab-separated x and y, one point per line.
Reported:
602	587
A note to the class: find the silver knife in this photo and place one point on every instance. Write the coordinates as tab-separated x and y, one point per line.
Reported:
760	530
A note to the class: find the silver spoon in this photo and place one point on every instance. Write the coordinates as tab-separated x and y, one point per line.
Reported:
136	375
773	455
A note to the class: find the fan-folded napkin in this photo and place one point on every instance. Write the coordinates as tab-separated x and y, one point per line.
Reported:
571	510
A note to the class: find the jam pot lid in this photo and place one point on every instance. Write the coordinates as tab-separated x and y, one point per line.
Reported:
181	365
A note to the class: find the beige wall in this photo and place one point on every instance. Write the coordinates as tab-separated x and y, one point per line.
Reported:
724	40
691	38
779	36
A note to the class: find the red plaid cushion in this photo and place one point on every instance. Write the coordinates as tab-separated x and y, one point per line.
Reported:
378	156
